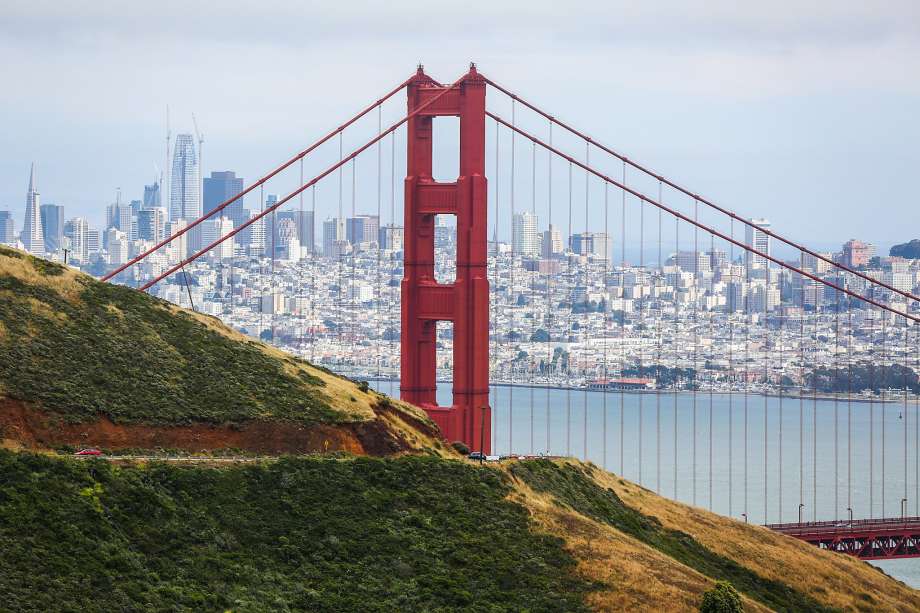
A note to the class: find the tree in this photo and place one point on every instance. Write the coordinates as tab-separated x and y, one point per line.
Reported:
723	598
539	336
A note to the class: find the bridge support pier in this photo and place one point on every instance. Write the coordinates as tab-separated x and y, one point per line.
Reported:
465	302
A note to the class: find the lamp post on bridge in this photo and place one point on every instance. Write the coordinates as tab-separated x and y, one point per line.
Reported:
850	511
801	508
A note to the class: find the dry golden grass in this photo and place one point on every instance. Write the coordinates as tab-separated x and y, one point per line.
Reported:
834	579
637	577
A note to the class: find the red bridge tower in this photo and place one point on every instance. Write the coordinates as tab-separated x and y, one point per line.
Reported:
465	302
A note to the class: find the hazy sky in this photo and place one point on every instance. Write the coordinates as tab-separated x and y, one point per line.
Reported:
804	112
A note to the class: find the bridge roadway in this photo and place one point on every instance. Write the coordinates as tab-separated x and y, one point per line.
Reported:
868	539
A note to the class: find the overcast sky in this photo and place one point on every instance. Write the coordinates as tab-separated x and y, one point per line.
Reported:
803	112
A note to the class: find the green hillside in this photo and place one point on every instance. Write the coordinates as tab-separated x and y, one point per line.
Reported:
409	534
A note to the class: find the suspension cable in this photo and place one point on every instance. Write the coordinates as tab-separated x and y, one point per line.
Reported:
753	251
687	192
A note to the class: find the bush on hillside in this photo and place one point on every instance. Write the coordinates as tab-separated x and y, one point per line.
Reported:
723	598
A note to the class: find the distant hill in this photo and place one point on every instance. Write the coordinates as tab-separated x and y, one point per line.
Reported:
909	250
89	363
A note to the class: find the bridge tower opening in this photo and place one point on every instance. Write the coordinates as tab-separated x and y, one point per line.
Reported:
465	302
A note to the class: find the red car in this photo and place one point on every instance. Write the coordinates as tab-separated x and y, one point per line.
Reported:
91	451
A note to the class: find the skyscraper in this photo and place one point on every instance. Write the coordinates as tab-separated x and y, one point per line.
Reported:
32	235
526	240
7	228
152	195
552	242
220	187
334	243
390	237
756	238
76	230
591	243
184	201
52	226
150	224
362	229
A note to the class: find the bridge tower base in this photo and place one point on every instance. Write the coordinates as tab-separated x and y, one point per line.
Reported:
465	302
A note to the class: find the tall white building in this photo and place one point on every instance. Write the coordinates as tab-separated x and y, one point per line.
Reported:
76	231
32	236
184	197
755	237
526	240
214	229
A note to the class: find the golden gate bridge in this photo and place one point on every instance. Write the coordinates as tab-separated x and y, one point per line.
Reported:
772	334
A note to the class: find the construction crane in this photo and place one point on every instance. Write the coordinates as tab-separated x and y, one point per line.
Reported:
200	138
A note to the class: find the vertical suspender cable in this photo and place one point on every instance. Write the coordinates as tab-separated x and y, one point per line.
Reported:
872	359
782	394
904	414
883	383
836	403
313	279
584	335
849	406
712	383
262	262
765	329
513	310
607	257
356	241
493	309
802	394
378	291
549	287
393	311
696	342
300	286
733	307
622	319
533	276
749	258
568	330
658	358
675	378
640	337
814	423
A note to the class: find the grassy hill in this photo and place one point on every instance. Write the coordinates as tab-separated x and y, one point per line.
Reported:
394	521
85	362
411	533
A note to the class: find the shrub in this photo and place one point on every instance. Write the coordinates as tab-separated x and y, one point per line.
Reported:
461	447
723	598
